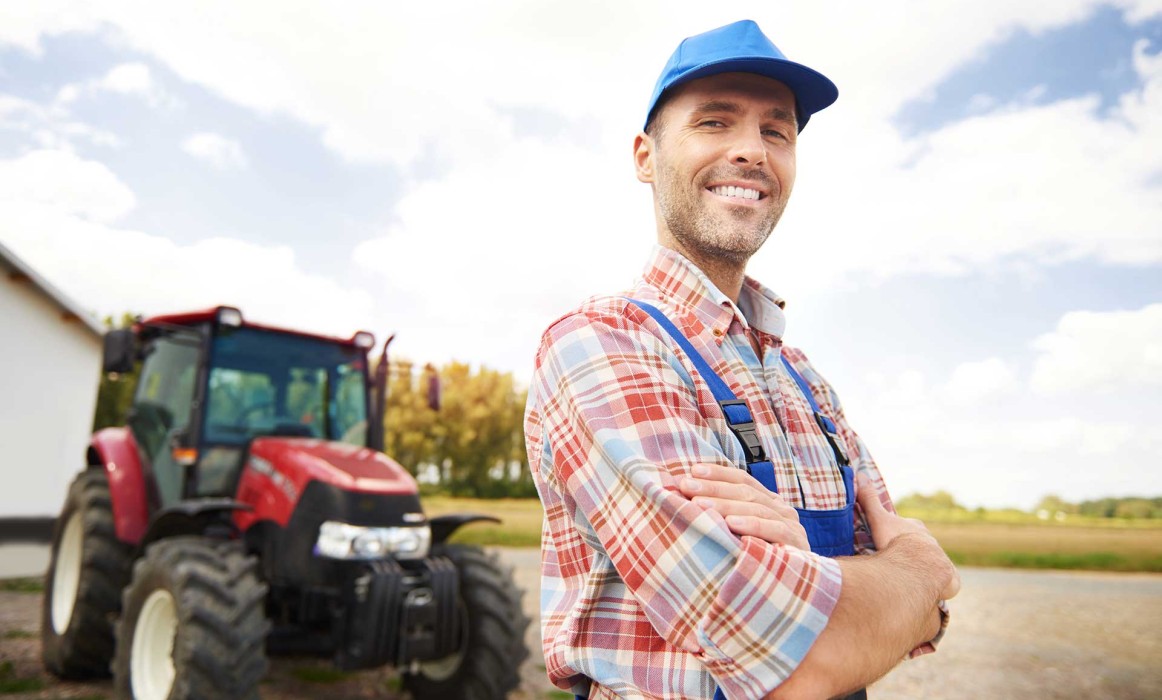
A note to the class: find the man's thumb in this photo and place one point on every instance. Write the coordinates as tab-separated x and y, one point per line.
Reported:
867	497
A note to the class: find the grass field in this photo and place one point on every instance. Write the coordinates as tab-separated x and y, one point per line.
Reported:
1002	539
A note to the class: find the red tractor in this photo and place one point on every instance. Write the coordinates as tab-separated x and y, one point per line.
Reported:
247	507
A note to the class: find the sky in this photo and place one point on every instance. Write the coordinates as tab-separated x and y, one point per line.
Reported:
971	255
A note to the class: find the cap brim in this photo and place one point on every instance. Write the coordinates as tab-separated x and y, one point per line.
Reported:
813	91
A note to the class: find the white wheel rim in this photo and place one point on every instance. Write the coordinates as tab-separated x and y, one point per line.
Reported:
151	670
445	668
66	575
442	669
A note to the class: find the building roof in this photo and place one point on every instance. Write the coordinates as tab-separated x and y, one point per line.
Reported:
19	271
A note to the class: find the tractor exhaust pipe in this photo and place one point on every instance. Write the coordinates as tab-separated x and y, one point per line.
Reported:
379	410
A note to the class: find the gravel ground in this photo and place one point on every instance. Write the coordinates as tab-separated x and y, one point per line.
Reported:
1014	634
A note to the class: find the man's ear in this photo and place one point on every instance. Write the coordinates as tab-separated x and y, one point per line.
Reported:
643	157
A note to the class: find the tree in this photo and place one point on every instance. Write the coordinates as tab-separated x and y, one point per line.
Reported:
479	444
940	500
409	424
1054	504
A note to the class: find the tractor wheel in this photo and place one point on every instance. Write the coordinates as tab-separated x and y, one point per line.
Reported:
88	569
487	666
192	624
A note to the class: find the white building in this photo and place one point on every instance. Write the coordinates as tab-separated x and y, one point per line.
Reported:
50	368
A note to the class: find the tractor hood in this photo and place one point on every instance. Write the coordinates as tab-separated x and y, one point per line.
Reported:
295	462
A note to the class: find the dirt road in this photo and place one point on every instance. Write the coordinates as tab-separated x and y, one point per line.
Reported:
1015	634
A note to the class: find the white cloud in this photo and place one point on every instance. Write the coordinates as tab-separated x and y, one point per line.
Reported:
474	256
1003	186
904	390
112	271
57	214
215	149
24	24
128	78
65	183
1005	453
49	126
974	382
133	78
1109	351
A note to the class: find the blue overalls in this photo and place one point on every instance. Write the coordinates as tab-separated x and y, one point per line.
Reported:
831	533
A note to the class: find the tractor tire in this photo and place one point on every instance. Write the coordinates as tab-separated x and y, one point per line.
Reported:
488	665
193	625
82	595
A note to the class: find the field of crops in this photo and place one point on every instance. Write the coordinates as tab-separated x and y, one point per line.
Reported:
975	538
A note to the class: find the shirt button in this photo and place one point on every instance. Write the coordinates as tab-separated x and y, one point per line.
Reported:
717	332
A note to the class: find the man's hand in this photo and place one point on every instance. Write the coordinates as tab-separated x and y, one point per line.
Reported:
886	527
748	506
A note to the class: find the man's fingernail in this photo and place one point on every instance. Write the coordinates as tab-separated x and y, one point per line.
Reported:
700	470
691	485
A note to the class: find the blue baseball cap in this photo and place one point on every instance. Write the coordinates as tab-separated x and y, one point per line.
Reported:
742	47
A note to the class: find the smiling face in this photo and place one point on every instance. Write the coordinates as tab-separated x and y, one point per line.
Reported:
722	163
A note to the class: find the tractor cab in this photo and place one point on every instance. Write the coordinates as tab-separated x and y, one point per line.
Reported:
210	384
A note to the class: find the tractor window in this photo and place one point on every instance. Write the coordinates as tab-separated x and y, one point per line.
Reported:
161	407
268	383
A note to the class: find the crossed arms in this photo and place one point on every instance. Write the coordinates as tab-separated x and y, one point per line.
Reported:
888	602
615	428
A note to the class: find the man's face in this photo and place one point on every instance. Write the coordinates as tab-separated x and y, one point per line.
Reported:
722	164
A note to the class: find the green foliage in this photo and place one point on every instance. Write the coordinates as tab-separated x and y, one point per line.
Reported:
941	500
520	520
1088	561
474	445
32	584
410	424
942	507
11	683
1129	508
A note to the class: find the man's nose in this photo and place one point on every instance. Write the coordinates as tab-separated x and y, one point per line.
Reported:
748	148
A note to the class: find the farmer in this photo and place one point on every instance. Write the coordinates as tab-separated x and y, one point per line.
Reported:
669	569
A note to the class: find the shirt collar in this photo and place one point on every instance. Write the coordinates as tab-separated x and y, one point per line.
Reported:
763	308
683	284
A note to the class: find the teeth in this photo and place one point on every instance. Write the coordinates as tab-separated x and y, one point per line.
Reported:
732	191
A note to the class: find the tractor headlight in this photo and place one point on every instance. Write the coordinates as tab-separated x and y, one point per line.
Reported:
342	541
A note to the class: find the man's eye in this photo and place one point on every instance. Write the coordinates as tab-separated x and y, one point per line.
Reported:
774	133
710	122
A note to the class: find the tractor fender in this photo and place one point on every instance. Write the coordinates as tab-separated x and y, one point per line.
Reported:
115	450
444	525
209	516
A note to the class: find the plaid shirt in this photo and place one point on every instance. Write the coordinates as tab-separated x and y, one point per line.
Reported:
643	592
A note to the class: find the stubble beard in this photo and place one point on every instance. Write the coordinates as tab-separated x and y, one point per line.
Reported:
731	237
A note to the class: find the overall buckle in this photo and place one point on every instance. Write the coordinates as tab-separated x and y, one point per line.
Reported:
832	434
744	430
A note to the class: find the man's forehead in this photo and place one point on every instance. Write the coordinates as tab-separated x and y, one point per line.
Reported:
750	84
733	88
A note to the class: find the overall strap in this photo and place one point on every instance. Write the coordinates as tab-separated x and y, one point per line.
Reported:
825	424
738	415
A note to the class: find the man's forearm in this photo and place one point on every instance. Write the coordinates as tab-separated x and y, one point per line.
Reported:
886	608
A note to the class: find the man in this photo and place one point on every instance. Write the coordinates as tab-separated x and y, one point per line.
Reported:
668	570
